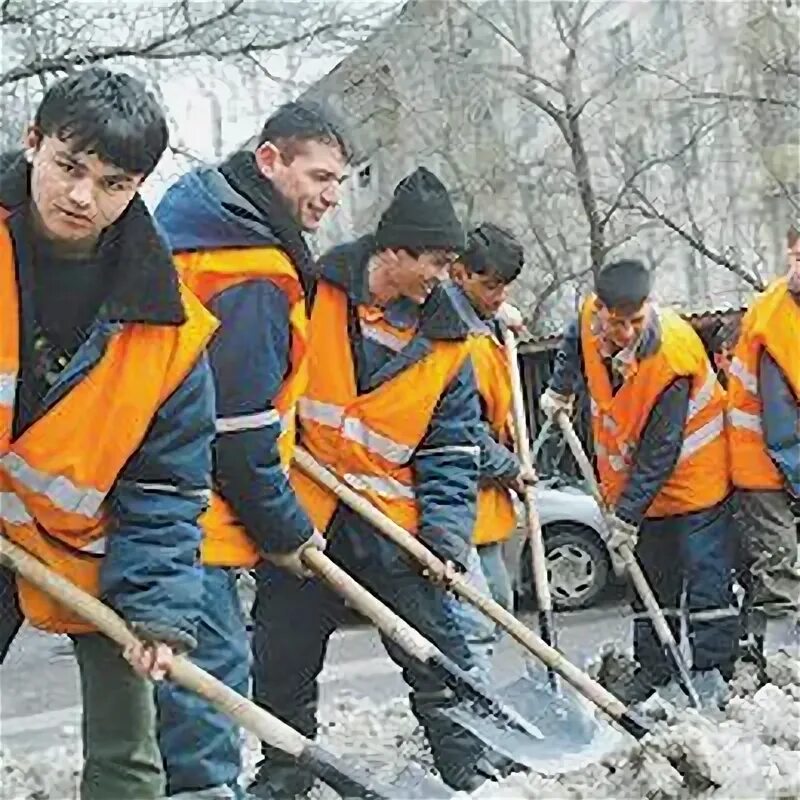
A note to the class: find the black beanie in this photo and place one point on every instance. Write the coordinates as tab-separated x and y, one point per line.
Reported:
623	284
490	247
420	217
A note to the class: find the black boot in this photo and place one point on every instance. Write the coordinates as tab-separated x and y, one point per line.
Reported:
280	779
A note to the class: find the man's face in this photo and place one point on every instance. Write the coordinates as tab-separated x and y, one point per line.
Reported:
76	195
417	276
486	292
622	327
309	179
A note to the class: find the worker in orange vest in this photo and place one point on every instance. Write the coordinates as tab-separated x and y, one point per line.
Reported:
237	233
492	260
764	431
106	408
391	408
658	426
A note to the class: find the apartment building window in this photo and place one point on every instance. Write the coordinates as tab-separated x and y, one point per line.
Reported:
682	127
621	42
670	33
364	176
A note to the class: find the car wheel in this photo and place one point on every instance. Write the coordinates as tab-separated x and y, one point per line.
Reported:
577	567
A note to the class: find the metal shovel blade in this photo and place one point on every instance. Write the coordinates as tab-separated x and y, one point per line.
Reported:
413	783
572	734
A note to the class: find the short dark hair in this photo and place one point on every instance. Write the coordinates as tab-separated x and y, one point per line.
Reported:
110	113
299	122
623	285
491	248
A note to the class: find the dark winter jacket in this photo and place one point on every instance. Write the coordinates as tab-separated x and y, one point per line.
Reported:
446	463
150	572
780	418
218	209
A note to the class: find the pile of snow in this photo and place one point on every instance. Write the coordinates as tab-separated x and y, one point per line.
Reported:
748	748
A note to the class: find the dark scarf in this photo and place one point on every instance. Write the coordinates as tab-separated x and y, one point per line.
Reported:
241	172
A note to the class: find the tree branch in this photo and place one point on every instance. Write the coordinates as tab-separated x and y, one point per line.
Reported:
654	162
151	51
648	210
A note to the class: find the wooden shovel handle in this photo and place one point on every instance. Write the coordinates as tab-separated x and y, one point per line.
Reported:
540	579
183	672
521	633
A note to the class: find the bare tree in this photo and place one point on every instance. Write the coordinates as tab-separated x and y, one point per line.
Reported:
166	38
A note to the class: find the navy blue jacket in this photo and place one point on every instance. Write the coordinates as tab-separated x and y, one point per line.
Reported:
780	420
662	438
217	209
446	462
150	573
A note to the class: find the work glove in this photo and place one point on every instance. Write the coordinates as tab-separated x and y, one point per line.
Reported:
551	403
293	561
511	317
522	480
620	534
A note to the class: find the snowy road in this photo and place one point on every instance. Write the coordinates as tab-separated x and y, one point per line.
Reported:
39	686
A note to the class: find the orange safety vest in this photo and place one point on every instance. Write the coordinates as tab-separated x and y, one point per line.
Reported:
55	477
496	518
207	274
700	479
772	324
368	440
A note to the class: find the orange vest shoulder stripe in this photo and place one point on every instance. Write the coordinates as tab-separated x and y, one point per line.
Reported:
55	477
700	479
208	273
772	324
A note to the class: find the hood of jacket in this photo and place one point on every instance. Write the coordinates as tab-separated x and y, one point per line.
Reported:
230	206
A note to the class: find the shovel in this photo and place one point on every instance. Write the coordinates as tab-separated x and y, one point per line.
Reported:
672	652
541	582
558	749
346	780
561	735
460	682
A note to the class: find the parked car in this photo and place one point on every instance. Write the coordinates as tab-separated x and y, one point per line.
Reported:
578	564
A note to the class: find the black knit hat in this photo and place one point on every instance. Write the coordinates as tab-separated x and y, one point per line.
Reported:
420	217
623	284
491	248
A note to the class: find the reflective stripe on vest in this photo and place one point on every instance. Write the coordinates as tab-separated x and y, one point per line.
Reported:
208	273
700	477
58	489
8	388
382	336
771	325
748	379
12	510
333	416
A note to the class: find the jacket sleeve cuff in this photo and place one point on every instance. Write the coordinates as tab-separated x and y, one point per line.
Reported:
179	640
447	546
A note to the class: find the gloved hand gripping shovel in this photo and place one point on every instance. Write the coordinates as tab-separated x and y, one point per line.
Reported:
561	739
671	650
558	747
541	583
460	682
346	780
